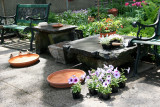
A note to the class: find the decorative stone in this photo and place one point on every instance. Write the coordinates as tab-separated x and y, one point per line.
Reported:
56	51
90	52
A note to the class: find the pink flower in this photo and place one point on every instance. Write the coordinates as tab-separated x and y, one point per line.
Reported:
75	80
126	4
134	0
134	4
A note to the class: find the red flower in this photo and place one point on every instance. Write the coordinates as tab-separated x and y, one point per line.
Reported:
106	28
95	31
121	26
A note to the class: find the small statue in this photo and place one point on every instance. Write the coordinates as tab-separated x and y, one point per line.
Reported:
11	56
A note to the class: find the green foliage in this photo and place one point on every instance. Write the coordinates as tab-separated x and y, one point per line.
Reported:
115	82
52	18
76	87
107	90
150	13
73	17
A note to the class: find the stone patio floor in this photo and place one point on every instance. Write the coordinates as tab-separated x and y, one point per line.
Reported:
28	87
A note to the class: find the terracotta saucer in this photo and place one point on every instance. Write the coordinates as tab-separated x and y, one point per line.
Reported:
23	60
57	25
59	79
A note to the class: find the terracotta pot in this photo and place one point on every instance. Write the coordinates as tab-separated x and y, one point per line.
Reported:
122	84
76	95
23	60
93	92
113	11
90	19
59	79
105	34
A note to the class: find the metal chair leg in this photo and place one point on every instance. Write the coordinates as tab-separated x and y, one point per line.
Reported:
2	37
137	59
156	55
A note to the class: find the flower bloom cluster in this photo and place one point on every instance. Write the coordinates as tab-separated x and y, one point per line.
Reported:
74	80
138	4
104	76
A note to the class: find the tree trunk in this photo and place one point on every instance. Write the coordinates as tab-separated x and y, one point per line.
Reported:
40	1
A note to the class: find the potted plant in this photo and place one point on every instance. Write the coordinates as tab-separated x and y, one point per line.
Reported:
111	42
76	87
122	79
115	80
109	26
107	90
92	82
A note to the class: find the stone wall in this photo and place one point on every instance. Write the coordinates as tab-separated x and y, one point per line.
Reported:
57	5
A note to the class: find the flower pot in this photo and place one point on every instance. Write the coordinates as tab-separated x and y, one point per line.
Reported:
107	47
113	11
93	92
114	89
122	84
106	96
105	34
76	95
100	95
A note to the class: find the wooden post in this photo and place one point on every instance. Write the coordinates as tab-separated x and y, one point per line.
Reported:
3	7
98	9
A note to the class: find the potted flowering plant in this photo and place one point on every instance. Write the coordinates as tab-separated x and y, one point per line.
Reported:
111	41
122	79
76	87
109	26
92	82
107	90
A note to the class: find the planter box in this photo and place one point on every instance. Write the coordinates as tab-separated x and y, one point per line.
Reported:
57	52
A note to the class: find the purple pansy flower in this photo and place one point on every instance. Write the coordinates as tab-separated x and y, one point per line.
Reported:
93	74
109	81
105	66
108	77
105	84
111	67
83	76
109	71
117	75
70	80
89	72
75	80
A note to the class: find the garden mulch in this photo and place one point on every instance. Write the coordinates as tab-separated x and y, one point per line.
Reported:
28	87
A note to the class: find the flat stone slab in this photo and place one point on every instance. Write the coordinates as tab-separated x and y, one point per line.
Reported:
89	50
